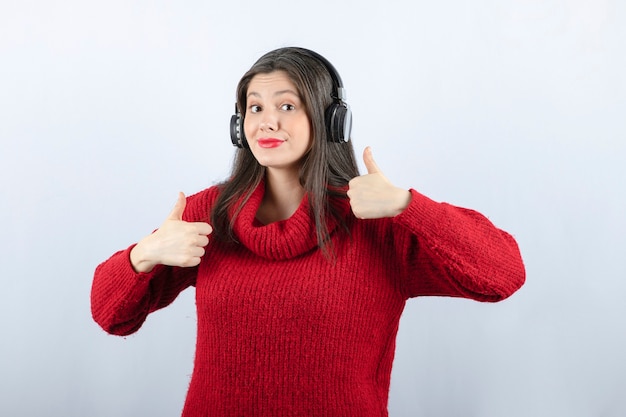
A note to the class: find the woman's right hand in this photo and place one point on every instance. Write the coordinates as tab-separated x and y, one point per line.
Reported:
175	243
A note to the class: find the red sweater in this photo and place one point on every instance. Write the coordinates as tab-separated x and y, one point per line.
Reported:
282	331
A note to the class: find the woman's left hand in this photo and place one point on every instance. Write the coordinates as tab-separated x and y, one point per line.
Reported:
373	196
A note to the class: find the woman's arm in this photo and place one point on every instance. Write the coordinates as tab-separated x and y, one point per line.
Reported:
150	275
453	251
441	249
122	298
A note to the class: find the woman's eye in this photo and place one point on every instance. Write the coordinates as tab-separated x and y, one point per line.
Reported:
287	107
254	108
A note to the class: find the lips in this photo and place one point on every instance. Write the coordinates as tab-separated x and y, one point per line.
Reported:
270	142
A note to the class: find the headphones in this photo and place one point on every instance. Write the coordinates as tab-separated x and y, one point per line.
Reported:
338	117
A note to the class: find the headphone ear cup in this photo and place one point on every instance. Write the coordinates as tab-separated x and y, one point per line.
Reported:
339	122
237	136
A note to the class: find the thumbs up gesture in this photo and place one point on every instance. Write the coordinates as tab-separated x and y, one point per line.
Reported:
373	196
175	243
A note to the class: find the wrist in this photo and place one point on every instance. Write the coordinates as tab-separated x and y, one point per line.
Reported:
139	261
403	200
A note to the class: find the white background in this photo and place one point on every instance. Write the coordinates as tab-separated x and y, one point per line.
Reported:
515	108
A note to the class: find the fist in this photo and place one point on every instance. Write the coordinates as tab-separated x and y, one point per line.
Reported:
373	196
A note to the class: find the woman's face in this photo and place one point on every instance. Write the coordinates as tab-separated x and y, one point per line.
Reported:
276	123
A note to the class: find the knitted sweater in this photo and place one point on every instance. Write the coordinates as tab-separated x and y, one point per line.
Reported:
283	331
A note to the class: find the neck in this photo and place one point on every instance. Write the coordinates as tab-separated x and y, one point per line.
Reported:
283	195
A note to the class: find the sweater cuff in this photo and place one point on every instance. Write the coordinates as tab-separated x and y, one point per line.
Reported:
421	214
129	271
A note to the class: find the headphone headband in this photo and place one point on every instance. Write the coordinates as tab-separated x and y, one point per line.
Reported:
340	91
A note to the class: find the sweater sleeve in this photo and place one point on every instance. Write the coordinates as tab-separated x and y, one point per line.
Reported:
121	298
453	251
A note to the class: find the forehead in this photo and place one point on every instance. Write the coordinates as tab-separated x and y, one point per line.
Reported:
275	81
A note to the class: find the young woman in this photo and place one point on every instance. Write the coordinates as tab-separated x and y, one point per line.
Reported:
301	266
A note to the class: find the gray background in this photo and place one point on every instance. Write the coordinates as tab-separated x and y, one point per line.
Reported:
512	107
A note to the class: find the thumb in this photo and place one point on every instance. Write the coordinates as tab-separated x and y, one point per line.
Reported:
179	208
370	164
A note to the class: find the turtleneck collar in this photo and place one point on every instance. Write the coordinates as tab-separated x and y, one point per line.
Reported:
281	240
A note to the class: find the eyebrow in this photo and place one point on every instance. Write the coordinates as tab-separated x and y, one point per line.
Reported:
277	93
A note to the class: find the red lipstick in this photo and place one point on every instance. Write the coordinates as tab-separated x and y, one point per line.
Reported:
270	142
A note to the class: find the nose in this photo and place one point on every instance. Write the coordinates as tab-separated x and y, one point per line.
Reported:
269	121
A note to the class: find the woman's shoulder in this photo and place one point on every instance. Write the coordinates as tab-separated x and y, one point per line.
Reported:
200	203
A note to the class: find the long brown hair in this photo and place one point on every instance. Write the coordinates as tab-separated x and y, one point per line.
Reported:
326	169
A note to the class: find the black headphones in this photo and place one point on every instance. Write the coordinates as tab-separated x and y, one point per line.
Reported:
338	116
